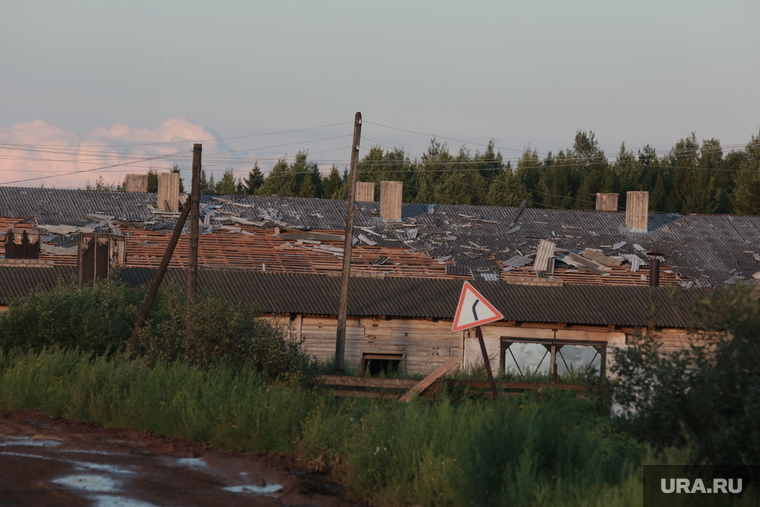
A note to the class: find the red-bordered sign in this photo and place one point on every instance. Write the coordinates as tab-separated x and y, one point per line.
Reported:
473	310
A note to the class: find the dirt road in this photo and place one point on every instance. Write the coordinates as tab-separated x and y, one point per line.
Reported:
55	462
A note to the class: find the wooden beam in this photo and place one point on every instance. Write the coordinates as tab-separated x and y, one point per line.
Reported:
427	381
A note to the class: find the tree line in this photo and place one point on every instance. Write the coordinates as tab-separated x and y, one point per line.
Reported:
689	178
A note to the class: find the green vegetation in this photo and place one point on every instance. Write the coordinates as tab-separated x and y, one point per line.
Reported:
706	396
553	449
98	319
689	178
249	388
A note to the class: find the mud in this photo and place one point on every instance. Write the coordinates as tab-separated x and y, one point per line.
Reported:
56	462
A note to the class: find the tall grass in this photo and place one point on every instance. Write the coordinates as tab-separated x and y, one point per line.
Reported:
552	450
228	408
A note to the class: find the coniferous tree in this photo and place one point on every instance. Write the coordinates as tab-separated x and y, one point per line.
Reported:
592	171
331	183
152	181
746	194
254	180
529	171
226	185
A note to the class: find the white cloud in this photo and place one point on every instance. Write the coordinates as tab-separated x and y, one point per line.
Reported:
37	152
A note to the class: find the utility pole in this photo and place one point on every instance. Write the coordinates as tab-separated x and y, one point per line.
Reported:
340	339
192	261
132	344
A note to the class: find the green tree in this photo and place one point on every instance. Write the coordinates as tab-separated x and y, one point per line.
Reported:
529	171
254	179
557	181
694	189
152	180
175	169
507	190
332	183
227	184
746	193
705	396
393	165
629	174
591	169
280	181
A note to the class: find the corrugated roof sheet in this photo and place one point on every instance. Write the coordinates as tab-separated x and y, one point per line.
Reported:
703	248
437	299
16	281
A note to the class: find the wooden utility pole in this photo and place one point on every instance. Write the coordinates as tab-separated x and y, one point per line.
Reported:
132	344
192	258
340	339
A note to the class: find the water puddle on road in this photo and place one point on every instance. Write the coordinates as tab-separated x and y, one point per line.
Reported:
259	490
28	442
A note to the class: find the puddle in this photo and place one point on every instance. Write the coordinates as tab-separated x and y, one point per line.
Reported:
99	467
100	484
192	462
85	451
28	441
93	483
259	490
118	501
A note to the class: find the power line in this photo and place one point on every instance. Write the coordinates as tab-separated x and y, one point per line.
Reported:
90	170
201	140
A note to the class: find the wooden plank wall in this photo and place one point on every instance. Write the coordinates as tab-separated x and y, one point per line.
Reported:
425	345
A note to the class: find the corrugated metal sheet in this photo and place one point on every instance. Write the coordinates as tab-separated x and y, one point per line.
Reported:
437	299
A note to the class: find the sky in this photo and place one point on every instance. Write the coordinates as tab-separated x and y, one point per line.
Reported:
94	90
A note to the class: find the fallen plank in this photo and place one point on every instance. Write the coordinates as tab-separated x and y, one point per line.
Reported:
427	381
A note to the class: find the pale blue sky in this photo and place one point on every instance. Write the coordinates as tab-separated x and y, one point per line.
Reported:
520	72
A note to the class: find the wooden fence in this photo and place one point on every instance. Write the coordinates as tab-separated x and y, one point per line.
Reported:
391	388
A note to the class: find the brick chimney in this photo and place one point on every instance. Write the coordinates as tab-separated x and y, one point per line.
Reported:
365	191
168	191
606	202
136	183
637	212
390	200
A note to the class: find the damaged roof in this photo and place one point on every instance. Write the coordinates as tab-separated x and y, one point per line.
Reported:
482	241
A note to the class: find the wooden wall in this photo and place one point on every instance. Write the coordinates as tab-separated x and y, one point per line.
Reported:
425	345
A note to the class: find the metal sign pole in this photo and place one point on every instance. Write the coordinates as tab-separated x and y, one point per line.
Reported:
486	361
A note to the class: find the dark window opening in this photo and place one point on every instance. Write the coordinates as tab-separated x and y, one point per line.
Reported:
381	364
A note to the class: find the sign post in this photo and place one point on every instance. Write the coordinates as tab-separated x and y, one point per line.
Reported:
473	310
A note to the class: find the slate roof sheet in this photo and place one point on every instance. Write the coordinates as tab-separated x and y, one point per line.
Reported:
437	299
702	248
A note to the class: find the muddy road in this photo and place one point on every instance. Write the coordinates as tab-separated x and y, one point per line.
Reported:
55	462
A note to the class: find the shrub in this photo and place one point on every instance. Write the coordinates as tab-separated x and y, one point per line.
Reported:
98	319
708	395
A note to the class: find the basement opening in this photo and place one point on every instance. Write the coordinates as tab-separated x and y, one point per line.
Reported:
381	364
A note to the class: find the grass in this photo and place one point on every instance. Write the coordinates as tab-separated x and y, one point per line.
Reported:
547	448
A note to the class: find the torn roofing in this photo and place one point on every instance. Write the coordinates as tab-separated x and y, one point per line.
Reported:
437	299
703	248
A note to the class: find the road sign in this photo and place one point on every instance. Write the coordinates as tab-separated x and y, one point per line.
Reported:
473	310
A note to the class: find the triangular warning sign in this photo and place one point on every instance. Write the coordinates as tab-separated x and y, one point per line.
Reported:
473	310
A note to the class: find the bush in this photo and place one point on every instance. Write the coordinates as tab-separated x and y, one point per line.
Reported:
233	334
707	396
98	319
